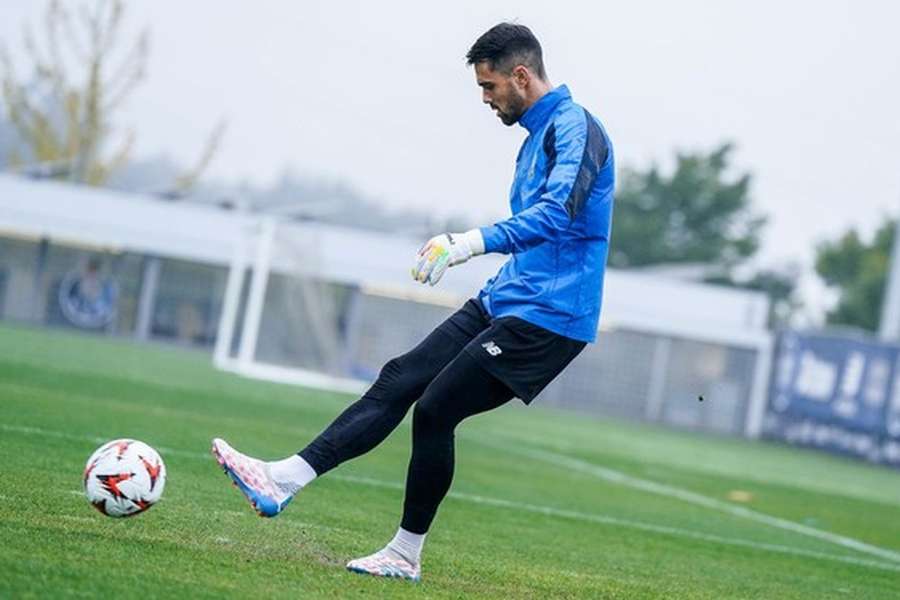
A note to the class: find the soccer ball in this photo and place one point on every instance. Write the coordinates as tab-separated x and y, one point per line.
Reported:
124	478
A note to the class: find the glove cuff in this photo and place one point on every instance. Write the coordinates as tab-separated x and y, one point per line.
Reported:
475	241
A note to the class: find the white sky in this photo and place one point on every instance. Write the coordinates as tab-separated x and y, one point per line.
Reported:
378	93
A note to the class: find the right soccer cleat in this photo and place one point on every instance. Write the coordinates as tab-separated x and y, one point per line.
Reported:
251	476
382	564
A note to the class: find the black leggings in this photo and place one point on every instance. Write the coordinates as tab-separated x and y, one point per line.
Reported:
447	386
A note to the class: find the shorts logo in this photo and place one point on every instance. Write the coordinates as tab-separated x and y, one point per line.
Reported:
492	348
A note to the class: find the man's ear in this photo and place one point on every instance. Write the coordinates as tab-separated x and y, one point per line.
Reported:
521	75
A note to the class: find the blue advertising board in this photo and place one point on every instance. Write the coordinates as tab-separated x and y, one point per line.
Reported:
836	393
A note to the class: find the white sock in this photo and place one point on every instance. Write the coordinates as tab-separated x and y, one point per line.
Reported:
407	545
292	473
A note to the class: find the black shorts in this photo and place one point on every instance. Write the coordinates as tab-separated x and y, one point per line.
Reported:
522	355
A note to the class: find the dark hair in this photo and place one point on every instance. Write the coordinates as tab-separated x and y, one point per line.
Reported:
507	45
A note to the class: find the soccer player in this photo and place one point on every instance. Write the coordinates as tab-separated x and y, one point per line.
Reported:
527	323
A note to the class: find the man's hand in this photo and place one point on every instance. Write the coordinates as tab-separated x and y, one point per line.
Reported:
446	250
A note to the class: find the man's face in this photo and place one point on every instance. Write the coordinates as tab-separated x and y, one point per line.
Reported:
503	93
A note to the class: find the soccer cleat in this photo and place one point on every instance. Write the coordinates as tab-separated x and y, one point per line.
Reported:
382	564
252	477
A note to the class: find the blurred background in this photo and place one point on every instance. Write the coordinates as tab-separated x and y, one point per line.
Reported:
252	181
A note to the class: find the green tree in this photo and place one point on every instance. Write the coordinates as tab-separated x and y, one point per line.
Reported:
857	269
696	214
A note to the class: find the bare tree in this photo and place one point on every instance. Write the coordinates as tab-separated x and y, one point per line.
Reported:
79	76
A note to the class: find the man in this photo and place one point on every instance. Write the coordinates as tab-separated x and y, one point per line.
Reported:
527	323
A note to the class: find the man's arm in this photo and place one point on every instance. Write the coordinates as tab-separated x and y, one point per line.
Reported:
576	150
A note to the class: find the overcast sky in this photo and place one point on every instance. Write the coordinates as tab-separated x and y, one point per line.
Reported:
378	93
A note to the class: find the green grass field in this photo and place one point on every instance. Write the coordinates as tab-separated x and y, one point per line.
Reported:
544	505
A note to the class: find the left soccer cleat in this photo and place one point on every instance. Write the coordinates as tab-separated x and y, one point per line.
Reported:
252	477
384	564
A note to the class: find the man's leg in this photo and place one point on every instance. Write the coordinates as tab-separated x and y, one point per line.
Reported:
359	428
368	421
461	390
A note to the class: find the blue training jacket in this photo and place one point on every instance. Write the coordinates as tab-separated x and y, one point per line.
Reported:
558	235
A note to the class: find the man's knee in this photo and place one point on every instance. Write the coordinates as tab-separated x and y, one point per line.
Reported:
392	371
427	414
396	382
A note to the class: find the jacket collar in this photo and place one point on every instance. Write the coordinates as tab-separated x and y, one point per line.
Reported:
536	116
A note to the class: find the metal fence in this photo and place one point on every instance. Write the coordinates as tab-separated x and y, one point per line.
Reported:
105	292
626	374
349	331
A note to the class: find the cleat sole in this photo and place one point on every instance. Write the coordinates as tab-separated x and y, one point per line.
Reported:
362	571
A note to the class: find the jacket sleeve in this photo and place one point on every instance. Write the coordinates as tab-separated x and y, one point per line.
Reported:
576	149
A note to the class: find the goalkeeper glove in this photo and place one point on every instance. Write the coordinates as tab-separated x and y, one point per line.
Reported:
446	250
